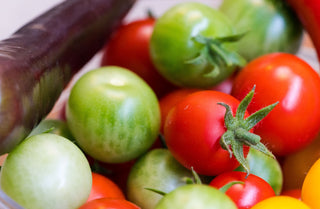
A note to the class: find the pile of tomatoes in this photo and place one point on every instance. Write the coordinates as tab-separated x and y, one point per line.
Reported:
180	115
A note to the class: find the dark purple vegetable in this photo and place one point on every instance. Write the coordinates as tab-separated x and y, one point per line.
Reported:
38	60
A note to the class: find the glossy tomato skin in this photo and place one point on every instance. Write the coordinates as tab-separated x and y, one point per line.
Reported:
168	101
172	44
253	190
103	187
282	77
193	129
113	114
129	48
266	168
109	203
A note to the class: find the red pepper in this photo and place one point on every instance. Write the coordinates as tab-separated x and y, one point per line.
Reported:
308	12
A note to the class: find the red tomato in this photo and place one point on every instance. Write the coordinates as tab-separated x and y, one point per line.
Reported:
129	48
193	129
104	187
116	172
253	190
172	98
168	101
282	77
109	203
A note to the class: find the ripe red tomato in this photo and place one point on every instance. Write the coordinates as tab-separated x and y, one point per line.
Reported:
253	190
109	203
172	98
168	101
129	48
193	129
282	77
104	187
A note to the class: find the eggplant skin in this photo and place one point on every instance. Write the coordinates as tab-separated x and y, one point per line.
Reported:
39	59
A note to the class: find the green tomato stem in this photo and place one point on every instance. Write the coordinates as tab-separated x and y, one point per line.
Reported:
217	55
238	130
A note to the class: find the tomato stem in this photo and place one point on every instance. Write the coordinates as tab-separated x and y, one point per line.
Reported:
238	130
215	53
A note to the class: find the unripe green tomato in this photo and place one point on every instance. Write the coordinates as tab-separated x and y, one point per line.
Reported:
193	196
113	114
172	44
270	26
47	171
158	170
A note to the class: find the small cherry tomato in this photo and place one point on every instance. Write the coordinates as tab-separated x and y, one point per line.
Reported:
193	129
252	190
282	77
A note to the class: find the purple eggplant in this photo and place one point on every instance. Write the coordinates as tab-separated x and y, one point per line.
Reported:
39	60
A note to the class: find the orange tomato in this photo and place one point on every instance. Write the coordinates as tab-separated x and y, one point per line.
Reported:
103	187
281	202
310	189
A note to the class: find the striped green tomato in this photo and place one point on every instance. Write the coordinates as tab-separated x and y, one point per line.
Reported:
113	114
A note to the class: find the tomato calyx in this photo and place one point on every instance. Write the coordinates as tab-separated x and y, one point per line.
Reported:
238	130
217	55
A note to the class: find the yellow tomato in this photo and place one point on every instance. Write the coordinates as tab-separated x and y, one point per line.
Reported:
281	202
310	193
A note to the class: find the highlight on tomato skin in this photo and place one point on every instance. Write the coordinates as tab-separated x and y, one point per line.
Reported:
288	79
246	191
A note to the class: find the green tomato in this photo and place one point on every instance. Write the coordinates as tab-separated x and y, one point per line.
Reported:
113	114
47	171
54	126
193	196
271	26
266	168
184	46
158	170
